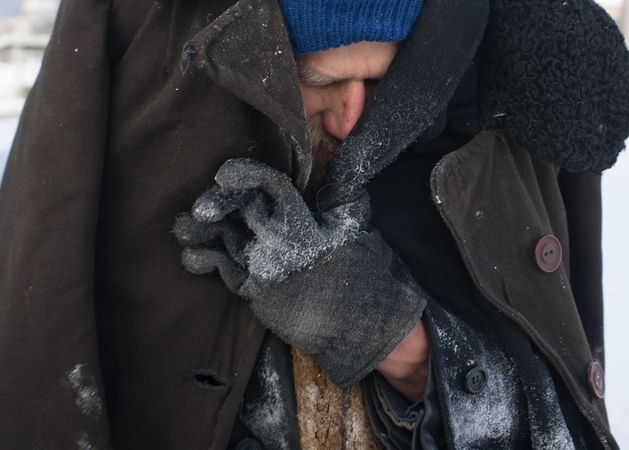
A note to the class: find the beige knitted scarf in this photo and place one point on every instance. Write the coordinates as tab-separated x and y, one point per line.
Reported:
329	418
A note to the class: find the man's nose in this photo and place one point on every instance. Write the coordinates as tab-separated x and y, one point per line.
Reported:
347	106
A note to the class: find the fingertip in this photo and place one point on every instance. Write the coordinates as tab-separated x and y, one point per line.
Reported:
197	261
216	203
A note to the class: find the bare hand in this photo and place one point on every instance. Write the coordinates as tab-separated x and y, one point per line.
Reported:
406	367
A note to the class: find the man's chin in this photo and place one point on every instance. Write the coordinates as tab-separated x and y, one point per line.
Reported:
324	146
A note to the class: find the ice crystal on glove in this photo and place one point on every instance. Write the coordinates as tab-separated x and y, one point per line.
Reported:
325	282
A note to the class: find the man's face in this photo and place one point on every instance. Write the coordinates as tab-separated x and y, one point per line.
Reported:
336	84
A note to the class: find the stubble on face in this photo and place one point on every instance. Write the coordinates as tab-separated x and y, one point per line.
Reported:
324	146
328	81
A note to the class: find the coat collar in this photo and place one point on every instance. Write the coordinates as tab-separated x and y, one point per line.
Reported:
415	90
246	50
555	79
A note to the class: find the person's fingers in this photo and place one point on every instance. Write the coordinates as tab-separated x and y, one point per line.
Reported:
230	234
218	202
257	214
205	260
275	208
243	174
191	232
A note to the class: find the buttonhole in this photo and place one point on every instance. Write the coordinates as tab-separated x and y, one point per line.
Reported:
208	379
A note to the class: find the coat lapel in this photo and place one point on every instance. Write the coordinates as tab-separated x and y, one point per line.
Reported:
415	90
247	51
498	202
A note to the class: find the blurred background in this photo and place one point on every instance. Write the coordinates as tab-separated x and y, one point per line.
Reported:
25	27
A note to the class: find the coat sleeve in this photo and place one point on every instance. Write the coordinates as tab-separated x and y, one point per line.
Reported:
51	389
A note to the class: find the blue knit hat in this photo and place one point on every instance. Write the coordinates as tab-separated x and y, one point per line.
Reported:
315	25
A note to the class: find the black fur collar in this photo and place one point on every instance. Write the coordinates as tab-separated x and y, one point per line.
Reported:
555	78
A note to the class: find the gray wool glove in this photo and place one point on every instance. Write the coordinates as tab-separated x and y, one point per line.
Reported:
324	283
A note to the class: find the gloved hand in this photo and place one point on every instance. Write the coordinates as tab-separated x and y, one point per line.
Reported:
326	284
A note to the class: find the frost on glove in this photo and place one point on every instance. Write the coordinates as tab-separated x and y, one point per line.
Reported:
324	283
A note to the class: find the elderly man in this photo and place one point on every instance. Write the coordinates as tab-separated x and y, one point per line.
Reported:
405	194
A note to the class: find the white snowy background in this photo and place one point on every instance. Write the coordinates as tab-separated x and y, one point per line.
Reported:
616	253
616	294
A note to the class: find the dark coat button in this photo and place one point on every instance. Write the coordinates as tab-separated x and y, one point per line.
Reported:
596	380
476	380
248	444
548	253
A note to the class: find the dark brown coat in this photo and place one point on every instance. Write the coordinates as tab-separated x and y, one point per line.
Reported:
104	339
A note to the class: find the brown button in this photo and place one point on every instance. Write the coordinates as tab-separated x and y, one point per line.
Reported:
596	380
548	253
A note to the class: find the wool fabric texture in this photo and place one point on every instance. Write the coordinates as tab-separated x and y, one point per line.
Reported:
315	25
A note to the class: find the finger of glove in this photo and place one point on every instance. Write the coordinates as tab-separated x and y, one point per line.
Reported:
274	198
191	232
218	202
352	216
230	234
204	260
285	241
247	174
257	213
235	236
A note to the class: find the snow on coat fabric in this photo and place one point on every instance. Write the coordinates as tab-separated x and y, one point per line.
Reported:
345	172
90	276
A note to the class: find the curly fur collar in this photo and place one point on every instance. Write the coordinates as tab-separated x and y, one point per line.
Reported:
555	78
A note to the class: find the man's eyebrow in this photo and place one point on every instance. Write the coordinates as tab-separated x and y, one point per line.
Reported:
309	77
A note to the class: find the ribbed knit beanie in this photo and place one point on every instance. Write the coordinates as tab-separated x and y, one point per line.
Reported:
315	25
